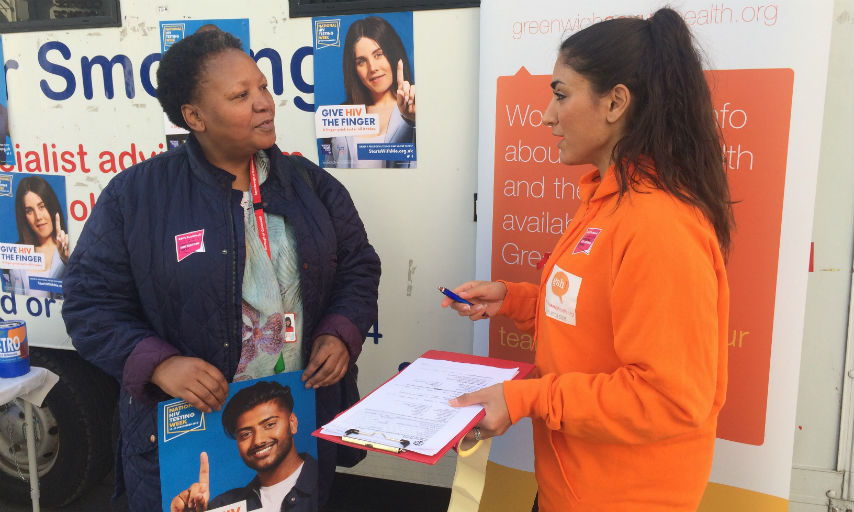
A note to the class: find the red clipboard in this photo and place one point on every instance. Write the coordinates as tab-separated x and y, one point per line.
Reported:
524	370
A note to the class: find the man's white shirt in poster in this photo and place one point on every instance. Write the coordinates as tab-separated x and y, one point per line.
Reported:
271	497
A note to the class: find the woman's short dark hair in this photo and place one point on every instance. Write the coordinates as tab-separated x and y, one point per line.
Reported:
383	33
40	187
254	395
670	120
181	68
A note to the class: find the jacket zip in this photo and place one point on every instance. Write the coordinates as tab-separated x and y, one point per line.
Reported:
234	301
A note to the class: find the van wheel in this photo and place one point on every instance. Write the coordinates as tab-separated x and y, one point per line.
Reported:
72	431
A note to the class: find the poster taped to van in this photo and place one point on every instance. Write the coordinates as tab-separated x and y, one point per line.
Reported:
365	91
34	248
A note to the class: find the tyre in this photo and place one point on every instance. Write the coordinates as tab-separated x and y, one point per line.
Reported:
73	432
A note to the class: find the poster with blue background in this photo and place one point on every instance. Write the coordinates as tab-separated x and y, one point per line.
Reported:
7	153
259	432
173	31
364	90
33	248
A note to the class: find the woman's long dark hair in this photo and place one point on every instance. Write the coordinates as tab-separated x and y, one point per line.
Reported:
384	34
41	188
670	120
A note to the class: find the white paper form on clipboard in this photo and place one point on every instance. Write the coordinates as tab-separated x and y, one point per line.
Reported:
412	408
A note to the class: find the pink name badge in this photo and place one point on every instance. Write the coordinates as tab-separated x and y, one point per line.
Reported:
188	243
586	243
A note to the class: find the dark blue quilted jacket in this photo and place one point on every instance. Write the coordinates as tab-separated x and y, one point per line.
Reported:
124	283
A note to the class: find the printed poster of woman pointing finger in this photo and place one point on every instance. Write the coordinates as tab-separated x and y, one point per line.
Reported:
365	103
34	246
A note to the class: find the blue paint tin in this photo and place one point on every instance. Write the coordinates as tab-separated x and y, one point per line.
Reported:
14	350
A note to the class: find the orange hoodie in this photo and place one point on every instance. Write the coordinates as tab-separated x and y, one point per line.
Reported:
630	320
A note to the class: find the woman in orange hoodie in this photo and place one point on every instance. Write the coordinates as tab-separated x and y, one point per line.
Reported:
630	316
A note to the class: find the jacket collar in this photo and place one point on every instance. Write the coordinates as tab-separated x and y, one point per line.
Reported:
282	171
595	187
202	169
205	171
307	481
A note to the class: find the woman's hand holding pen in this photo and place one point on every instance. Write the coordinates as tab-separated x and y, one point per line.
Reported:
405	95
61	240
487	297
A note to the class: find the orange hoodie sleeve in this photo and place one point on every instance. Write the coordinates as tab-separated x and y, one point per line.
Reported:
520	304
669	306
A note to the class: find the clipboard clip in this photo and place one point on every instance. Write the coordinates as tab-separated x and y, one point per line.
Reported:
366	439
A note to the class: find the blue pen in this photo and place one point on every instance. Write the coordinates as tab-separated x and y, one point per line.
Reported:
453	296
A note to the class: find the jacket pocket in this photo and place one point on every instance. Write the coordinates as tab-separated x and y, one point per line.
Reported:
138	424
560	449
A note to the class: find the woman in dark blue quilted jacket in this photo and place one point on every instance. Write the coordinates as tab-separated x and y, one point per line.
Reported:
183	276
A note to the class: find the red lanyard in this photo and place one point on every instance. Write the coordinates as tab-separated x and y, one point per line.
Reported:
260	221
